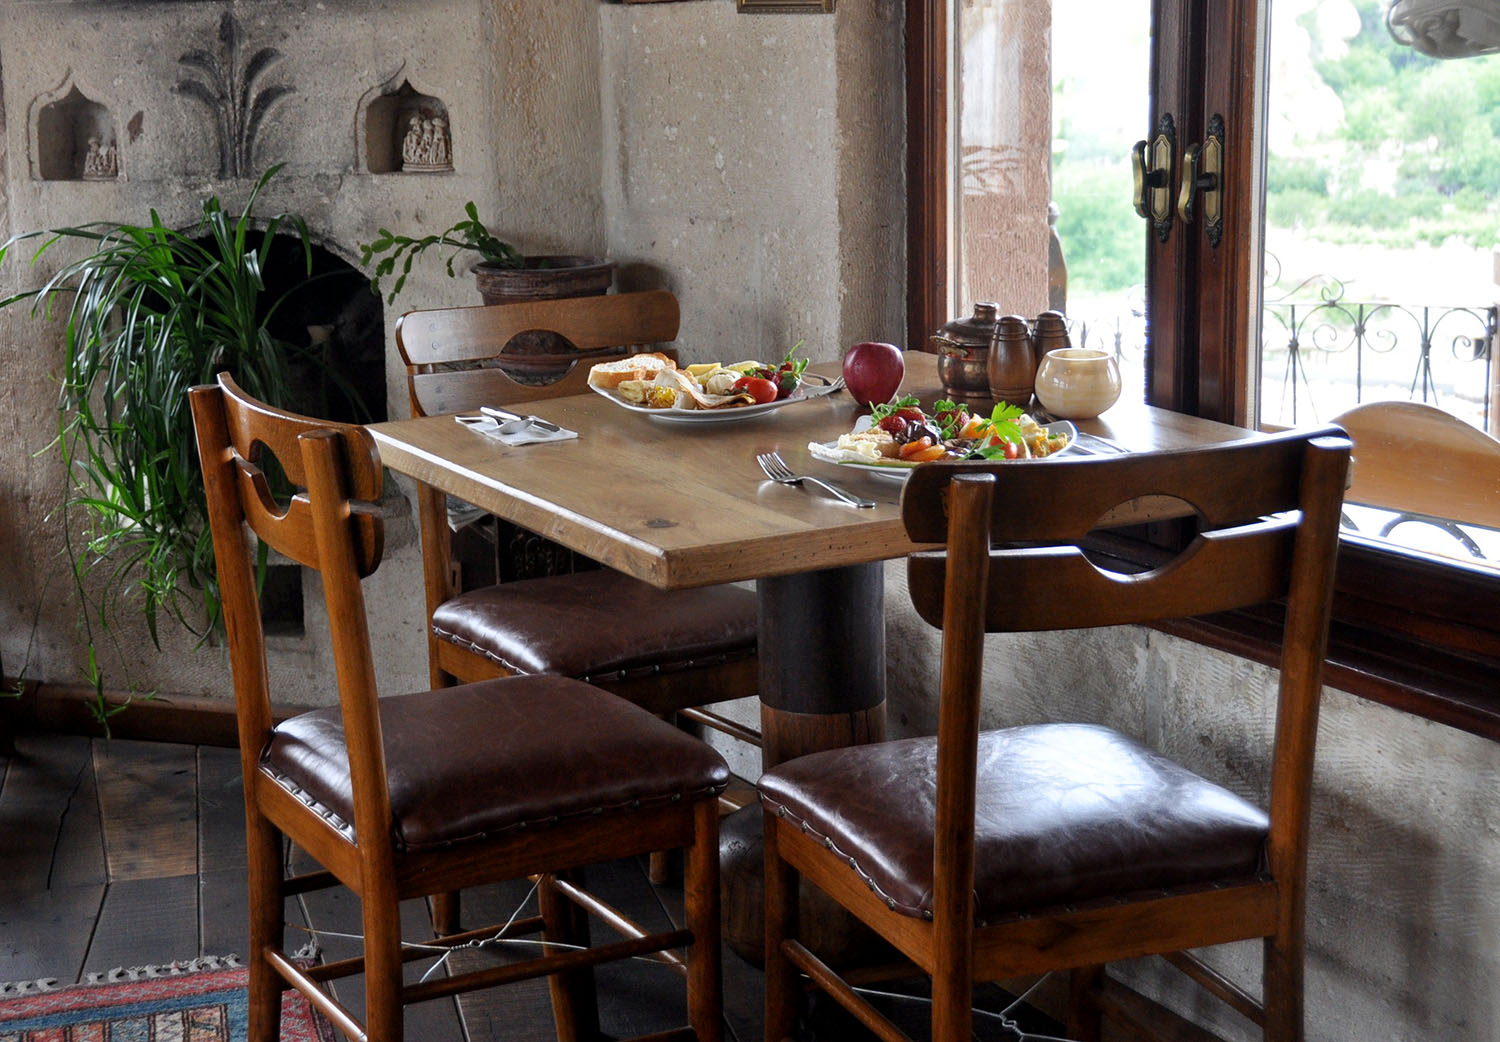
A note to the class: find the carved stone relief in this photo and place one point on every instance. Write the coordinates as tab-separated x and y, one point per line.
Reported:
227	85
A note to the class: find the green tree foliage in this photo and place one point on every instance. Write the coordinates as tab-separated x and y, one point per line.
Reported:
1417	155
1097	226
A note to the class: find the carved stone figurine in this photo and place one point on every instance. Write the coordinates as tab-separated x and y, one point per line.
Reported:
426	146
100	163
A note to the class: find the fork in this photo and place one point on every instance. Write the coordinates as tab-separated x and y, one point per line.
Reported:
776	469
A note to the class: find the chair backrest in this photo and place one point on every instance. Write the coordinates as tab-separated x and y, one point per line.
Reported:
330	523
1414	459
596	328
1268	513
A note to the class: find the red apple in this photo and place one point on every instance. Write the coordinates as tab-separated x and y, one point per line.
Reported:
873	371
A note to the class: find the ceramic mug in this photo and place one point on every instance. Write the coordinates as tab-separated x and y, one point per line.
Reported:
1077	383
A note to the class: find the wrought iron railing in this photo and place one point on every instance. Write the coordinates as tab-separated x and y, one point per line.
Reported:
1322	354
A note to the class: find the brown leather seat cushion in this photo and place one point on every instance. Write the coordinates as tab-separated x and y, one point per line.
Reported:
1065	813
475	760
592	625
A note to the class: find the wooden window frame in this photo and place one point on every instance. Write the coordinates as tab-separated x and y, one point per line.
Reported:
1409	631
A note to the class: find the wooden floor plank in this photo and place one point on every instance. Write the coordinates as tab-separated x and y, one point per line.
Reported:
49	815
148	803
146	922
221	810
46	933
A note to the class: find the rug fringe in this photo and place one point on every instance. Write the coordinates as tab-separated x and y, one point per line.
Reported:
169	969
16	989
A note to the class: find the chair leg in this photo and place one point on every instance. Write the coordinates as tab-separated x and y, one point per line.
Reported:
1085	1018
575	1003
382	922
660	869
267	914
953	1006
1282	988
781	923
705	979
445	913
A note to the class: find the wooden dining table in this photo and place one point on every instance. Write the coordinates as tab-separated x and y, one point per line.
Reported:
684	504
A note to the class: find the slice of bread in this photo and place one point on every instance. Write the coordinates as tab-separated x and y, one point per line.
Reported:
610	375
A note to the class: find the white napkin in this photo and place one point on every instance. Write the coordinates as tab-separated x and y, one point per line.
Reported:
530	435
461	513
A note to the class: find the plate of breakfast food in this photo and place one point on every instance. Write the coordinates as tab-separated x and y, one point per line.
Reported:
706	392
901	435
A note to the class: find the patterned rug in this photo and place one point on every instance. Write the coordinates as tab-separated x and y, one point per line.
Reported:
207	1006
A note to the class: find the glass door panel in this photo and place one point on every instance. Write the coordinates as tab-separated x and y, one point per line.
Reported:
1050	100
1382	214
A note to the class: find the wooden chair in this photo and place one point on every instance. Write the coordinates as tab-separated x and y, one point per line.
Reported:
669	651
987	856
407	796
1424	466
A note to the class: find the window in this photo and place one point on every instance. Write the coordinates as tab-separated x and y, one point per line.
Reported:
1411	629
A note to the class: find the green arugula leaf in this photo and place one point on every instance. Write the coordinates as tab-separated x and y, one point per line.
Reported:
881	411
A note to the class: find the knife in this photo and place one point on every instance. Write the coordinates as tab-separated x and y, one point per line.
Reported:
505	415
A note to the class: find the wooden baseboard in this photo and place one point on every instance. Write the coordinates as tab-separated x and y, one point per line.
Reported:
67	709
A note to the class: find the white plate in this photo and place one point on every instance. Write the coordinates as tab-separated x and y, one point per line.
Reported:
899	471
739	412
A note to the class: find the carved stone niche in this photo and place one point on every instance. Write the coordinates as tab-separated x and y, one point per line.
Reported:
406	131
73	138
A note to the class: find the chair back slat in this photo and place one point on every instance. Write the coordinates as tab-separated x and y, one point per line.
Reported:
1060	499
1058	588
434	394
1415	459
253	429
615	323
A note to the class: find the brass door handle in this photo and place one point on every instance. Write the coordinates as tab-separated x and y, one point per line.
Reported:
1151	167
1203	172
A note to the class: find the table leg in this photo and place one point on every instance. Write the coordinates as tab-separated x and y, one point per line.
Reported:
822	686
822	660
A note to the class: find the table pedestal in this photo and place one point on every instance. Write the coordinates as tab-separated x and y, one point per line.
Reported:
822	686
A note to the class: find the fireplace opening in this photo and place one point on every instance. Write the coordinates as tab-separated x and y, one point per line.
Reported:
337	324
338	372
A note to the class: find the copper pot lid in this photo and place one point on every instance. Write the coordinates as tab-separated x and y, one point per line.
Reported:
976	331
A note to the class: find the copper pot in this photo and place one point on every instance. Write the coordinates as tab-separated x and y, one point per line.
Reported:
963	349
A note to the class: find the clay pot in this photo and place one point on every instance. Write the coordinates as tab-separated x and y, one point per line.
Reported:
538	357
549	278
1011	367
1078	383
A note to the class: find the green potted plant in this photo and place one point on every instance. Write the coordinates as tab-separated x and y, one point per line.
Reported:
502	273
150	311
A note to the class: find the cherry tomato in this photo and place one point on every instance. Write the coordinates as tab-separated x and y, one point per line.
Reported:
762	391
1013	450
